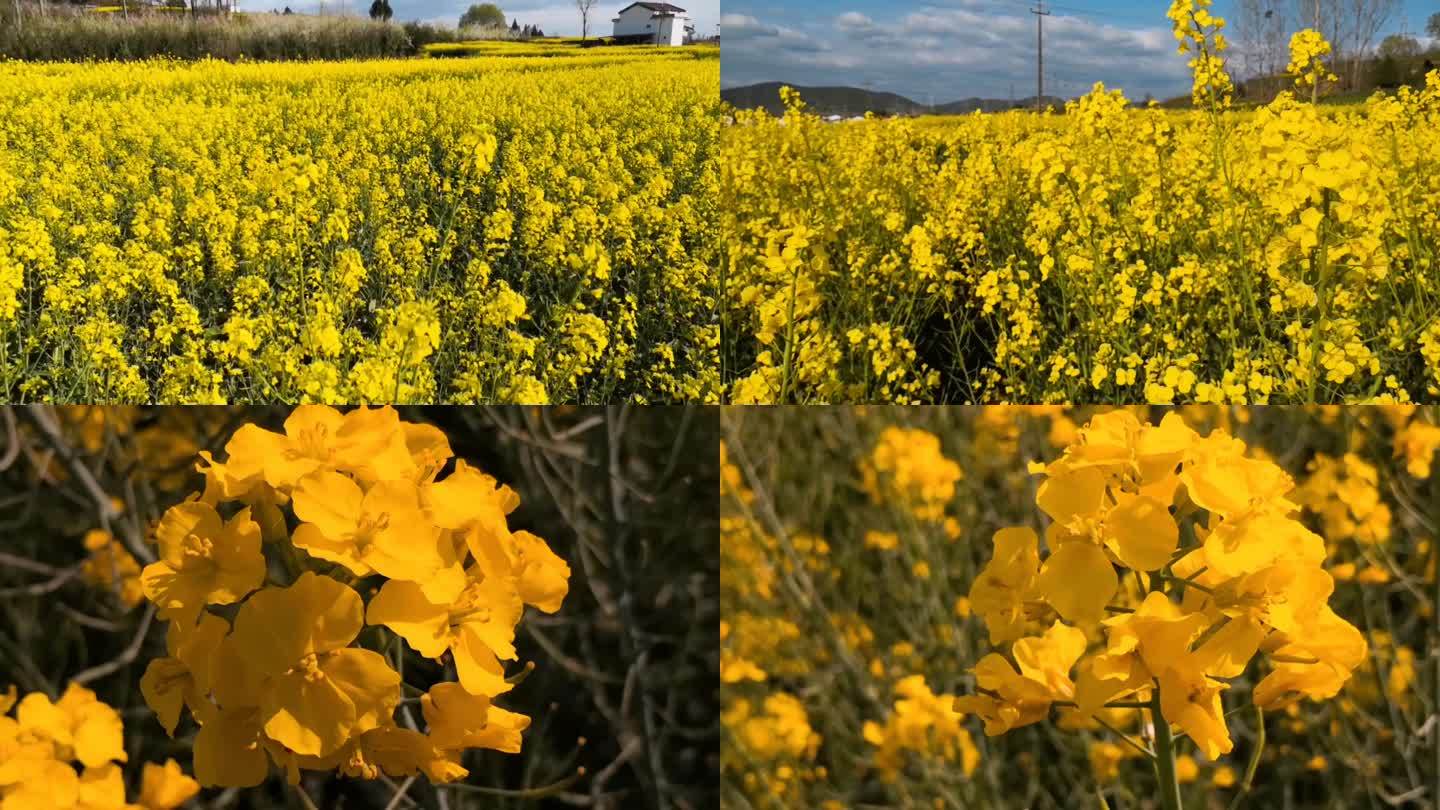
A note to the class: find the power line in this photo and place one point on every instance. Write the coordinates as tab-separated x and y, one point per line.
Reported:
1142	19
1085	12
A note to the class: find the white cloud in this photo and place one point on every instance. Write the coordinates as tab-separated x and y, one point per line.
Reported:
852	20
954	52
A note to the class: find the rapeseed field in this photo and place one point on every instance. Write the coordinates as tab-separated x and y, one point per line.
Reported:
1111	254
496	229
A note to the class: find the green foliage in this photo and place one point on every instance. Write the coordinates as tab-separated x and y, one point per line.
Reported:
1386	72
421	34
484	15
1398	46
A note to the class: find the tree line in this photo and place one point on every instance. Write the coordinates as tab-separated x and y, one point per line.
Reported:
1262	30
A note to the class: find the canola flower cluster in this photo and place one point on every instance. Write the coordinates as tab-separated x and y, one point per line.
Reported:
922	721
1229	573
112	567
1308	50
1115	253
498	229
858	615
42	743
909	468
285	633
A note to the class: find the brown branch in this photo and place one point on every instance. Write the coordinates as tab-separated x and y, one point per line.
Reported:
43	419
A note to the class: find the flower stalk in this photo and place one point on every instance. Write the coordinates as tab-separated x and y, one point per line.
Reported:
1164	756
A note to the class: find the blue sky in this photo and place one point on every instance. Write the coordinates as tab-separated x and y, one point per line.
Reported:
942	50
553	16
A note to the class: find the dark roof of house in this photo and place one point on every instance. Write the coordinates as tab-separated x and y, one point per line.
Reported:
660	7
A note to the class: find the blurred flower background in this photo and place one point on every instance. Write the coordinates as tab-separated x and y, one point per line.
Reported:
621	697
852	541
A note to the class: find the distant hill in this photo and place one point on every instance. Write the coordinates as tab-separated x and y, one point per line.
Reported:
823	100
857	101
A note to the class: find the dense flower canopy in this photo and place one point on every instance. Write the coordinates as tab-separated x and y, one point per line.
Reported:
502	228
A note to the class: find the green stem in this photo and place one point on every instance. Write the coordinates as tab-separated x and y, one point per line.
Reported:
1322	262
789	339
1254	760
1164	756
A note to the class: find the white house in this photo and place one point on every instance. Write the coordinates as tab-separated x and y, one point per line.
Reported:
660	23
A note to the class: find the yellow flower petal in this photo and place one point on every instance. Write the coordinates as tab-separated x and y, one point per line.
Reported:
489	611
330	502
309	444
1078	581
468	497
1072	492
102	788
227	750
99	736
277	627
429	447
1048	659
405	544
311	716
543	578
38	715
48	784
164	684
1227	651
402	607
1000	591
1142	533
479	670
165	787
312	539
1192	702
459	719
235	682
182	522
370	684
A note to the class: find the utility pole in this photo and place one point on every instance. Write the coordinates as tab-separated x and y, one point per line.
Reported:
1040	15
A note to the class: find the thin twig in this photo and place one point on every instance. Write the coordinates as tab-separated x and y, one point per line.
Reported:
93	622
48	586
400	792
12	441
305	798
576	667
27	564
130	653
